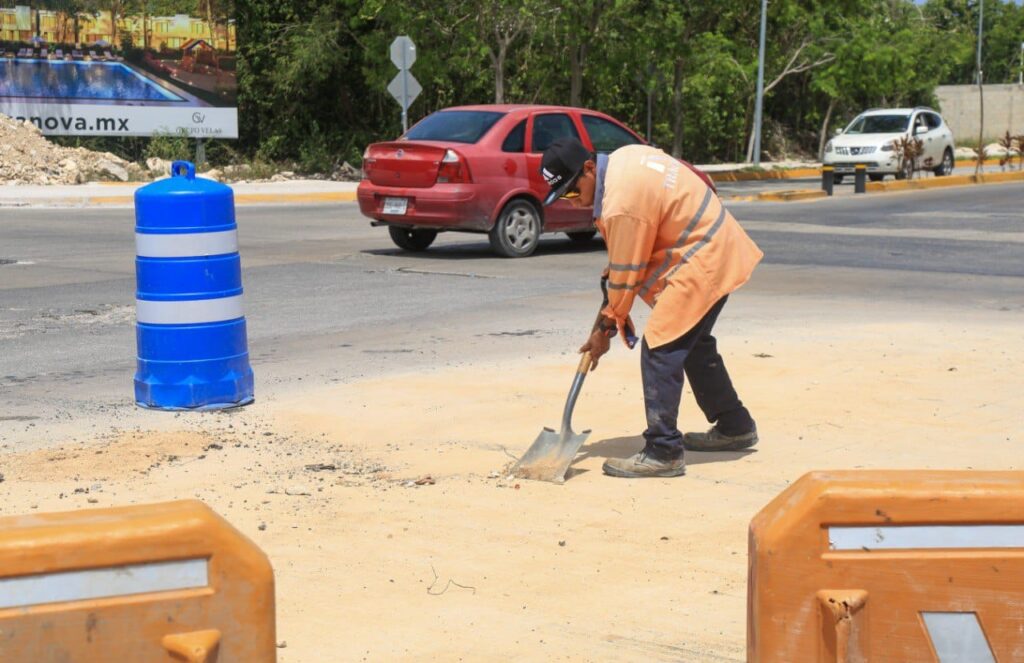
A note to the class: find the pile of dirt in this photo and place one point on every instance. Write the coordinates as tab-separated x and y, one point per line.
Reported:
27	157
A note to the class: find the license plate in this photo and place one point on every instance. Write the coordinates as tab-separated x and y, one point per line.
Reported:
395	205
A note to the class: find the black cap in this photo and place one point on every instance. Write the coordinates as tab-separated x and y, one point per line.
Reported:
561	166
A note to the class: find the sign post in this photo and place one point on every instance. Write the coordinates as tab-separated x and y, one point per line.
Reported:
404	87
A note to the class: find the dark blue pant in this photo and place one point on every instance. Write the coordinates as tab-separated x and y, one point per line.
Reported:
694	354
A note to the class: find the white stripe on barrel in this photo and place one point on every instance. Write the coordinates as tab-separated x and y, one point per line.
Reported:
24	591
893	537
188	312
186	245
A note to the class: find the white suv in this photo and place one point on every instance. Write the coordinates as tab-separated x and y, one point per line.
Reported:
871	140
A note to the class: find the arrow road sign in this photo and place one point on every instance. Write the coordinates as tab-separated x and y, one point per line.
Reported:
404	88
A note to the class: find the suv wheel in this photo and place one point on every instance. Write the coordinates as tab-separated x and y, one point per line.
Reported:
946	167
412	239
516	233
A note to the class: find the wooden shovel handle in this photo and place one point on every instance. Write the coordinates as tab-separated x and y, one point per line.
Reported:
585	362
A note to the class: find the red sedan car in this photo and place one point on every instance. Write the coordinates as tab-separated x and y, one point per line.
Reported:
477	169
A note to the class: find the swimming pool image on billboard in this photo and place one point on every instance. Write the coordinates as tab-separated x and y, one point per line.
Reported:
83	82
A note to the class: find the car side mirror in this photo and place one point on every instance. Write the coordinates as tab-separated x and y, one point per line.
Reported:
839	132
920	130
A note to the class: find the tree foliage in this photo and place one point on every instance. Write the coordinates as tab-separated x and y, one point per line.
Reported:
313	73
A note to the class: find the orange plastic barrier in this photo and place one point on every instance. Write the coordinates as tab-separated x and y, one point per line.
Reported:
889	566
162	582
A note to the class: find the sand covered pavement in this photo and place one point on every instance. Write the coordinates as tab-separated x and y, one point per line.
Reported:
396	535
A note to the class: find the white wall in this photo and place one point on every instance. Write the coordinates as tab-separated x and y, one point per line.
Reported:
1004	110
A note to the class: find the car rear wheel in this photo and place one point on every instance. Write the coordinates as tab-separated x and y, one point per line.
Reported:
876	177
516	233
946	167
412	239
582	237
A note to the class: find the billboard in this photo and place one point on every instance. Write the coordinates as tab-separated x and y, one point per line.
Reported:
120	67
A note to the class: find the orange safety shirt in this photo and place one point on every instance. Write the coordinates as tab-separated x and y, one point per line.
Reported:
670	241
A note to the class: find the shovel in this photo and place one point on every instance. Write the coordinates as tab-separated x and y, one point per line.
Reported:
551	454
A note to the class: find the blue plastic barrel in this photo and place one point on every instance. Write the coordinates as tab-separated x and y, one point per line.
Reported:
192	347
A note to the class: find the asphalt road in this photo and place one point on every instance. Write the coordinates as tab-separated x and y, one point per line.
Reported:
328	298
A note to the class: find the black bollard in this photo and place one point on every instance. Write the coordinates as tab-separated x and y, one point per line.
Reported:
860	176
827	179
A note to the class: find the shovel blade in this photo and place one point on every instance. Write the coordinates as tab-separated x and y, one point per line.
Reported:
550	455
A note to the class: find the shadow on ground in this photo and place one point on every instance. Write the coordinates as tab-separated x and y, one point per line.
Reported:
623	447
473	250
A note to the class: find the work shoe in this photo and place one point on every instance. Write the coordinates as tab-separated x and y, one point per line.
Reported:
713	440
641	465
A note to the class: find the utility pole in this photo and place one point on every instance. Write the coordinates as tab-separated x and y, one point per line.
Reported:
759	103
981	92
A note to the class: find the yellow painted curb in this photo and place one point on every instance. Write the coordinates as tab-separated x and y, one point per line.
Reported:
247	198
992	161
753	175
789	196
942	182
321	197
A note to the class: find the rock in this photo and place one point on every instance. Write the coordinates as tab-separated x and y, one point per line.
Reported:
69	166
137	173
262	527
214	174
27	157
297	491
346	172
1	477
113	170
995	150
240	169
966	153
426	481
158	166
283	644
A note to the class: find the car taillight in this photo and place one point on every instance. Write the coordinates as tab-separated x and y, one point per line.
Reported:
453	169
367	164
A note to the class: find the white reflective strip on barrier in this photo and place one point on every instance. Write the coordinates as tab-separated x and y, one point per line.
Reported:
957	637
893	537
186	245
102	583
189	312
